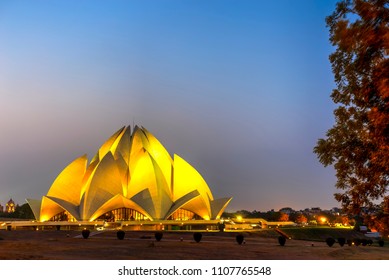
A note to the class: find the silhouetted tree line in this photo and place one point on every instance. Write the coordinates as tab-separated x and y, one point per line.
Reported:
294	216
268	216
21	212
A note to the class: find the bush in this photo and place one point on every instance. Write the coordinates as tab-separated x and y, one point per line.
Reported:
341	241
330	241
197	236
369	242
158	236
364	242
349	242
120	234
85	233
357	242
281	240
239	239
381	243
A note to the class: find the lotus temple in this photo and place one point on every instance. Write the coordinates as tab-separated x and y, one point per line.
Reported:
132	182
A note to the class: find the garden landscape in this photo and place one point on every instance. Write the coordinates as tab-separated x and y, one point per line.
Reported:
305	244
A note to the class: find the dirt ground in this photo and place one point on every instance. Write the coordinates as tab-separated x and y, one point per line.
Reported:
69	245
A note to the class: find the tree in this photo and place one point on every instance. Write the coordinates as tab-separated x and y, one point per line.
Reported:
380	219
344	220
301	219
22	212
358	143
283	217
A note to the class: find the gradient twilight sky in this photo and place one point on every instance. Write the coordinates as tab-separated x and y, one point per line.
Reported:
239	89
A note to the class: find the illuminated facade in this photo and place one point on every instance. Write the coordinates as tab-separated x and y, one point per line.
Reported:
10	206
131	177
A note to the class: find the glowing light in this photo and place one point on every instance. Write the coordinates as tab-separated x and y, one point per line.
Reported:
322	219
239	218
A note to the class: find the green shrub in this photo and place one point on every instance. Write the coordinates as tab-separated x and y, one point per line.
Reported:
120	234
158	236
197	236
85	233
281	240
341	241
330	241
240	239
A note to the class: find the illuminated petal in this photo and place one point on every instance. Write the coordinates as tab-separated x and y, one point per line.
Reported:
187	179
49	209
118	201
147	175
181	202
104	184
35	206
67	186
66	205
218	206
111	144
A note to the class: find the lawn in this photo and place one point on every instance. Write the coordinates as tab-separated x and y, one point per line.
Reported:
320	233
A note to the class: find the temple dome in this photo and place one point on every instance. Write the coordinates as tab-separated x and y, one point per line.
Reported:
131	170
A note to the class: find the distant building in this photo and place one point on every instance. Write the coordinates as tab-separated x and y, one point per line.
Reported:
10	206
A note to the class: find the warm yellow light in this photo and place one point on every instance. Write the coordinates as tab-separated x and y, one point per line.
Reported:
44	218
239	218
323	219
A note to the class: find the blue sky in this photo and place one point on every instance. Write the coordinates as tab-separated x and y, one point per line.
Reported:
240	89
